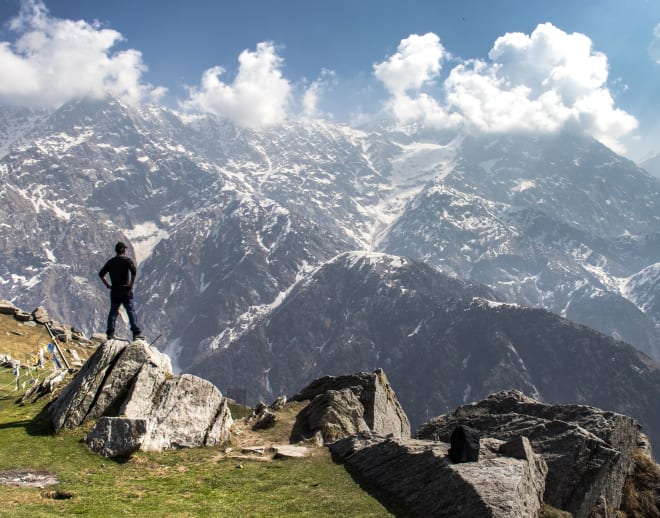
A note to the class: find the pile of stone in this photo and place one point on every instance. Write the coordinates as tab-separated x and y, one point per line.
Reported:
503	457
45	387
129	390
264	416
39	315
589	452
526	453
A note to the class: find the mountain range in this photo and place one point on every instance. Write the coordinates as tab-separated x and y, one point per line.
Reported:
652	165
232	228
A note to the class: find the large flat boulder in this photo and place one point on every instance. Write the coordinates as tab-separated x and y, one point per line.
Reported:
134	382
419	479
589	452
381	410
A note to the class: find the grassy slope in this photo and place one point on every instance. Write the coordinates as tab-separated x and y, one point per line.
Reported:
196	482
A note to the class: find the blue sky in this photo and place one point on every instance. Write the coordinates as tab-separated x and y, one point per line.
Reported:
489	65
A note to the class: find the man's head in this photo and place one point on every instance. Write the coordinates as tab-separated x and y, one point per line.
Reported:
120	248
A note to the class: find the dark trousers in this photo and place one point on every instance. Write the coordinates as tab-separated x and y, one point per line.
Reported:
116	301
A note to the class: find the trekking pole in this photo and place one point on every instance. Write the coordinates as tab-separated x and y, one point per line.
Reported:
50	332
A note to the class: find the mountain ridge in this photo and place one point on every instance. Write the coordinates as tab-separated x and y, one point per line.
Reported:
225	221
443	342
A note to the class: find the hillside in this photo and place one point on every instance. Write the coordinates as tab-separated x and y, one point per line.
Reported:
182	483
219	481
50	474
442	341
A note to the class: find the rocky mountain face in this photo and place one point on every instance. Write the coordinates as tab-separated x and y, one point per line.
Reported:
443	341
231	226
540	222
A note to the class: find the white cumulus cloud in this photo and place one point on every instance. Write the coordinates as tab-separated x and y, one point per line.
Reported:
312	95
416	64
53	61
540	82
259	95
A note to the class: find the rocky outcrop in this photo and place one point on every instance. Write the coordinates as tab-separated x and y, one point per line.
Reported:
344	405
589	452
7	308
102	385
62	332
135	381
335	414
41	316
420	477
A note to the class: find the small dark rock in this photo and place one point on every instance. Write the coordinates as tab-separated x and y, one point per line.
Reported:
261	406
464	444
57	495
265	419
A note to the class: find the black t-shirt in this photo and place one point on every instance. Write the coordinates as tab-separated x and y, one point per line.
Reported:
119	267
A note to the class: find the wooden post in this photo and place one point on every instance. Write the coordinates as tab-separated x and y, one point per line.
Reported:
50	332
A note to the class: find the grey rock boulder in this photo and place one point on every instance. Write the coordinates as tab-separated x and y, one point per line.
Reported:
6	361
335	414
117	436
381	410
187	412
589	452
419	479
79	400
41	316
265	419
135	381
23	316
47	386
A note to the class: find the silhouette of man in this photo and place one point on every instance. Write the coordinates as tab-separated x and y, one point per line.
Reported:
122	277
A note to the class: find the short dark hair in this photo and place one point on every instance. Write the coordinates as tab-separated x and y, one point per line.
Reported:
120	247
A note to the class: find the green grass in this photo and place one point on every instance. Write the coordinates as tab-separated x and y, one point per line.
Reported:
196	482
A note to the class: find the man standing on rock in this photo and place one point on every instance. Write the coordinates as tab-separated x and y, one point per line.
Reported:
122	277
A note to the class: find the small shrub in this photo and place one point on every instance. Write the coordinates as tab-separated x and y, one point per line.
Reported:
639	491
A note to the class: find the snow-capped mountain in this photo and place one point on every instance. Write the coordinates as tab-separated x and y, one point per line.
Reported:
540	220
643	289
15	123
224	221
